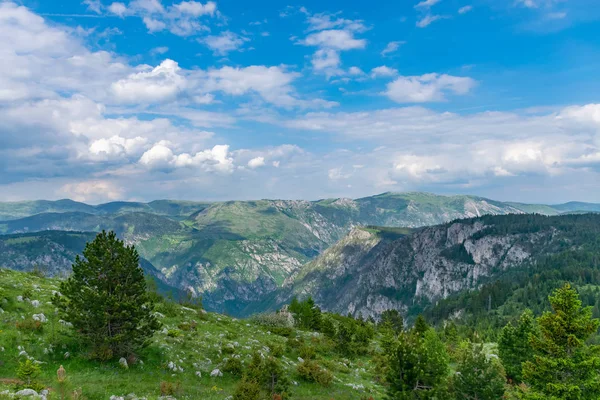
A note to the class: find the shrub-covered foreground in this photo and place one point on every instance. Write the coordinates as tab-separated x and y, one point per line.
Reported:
297	353
189	358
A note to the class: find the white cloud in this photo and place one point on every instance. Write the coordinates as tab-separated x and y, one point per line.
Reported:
391	47
465	9
92	191
383	71
154	25
224	43
182	19
93	5
528	3
119	9
256	162
428	87
324	21
196	8
151	6
428	20
117	146
427	3
273	84
160	156
355	71
159	50
161	83
327	61
334	39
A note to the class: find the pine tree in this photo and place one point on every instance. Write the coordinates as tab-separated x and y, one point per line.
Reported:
421	326
106	299
564	367
477	377
394	318
418	367
514	348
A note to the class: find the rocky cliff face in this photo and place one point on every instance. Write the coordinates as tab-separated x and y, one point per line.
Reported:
367	272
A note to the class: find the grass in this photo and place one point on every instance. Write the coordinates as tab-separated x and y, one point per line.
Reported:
201	349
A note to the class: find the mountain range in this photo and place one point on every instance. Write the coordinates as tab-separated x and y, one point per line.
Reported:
240	256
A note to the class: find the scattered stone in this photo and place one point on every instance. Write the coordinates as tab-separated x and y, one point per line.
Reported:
123	363
67	354
199	374
20	298
216	372
26	393
39	317
35	303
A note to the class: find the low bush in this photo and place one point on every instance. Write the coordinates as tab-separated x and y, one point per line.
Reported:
275	320
247	390
233	365
30	325
311	371
169	388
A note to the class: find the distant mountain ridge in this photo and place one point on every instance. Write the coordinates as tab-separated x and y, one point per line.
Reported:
371	270
236	253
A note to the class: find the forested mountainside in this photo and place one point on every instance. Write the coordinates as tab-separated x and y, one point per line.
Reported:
233	253
371	269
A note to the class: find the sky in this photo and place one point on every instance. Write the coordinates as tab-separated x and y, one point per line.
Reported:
230	99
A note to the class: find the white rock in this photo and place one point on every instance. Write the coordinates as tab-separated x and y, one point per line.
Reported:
300	359
199	374
19	298
35	303
26	393
216	372
39	317
123	363
23	353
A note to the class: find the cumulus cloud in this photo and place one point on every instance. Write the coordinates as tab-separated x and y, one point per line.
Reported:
383	71
161	156
196	8
273	84
161	83
256	162
117	8
117	146
224	43
327	61
334	39
331	34
186	18
92	191
428	87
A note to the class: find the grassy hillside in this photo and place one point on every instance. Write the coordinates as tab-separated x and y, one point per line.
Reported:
191	343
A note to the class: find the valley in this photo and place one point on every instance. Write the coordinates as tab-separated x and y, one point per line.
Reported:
237	255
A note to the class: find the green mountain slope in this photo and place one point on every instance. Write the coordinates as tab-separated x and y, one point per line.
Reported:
368	272
236	253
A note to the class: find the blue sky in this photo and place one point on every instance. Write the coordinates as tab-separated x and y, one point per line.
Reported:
147	99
